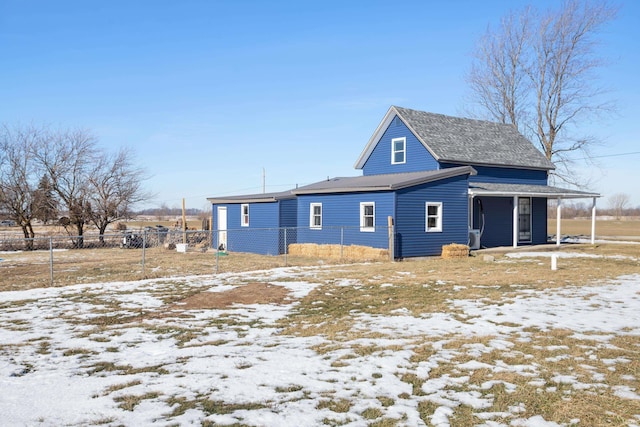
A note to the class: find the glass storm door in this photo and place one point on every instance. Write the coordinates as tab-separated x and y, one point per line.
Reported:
222	228
524	219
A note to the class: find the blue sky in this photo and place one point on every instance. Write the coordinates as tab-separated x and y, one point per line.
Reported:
210	93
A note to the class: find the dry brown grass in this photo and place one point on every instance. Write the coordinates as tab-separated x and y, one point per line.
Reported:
618	229
429	284
27	270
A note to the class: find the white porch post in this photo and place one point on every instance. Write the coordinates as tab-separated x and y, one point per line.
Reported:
593	222
515	221
558	221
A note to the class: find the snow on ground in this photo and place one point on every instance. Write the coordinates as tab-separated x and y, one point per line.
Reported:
60	364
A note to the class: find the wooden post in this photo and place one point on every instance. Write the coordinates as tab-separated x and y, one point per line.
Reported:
391	239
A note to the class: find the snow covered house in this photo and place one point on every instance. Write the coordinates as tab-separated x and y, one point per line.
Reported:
440	179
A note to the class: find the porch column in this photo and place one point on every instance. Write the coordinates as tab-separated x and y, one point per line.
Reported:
558	221
593	222
515	221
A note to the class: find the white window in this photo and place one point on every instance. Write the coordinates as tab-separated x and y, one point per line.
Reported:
315	215
398	151
244	215
433	217
367	216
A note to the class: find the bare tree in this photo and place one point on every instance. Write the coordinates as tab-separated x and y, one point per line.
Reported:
68	158
17	185
618	203
45	204
115	186
537	71
498	76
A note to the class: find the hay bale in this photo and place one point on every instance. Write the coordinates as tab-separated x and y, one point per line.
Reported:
455	250
336	251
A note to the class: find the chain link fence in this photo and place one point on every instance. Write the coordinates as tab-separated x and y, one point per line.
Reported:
161	252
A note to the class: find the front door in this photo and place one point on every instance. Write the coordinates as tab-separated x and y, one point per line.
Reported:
524	219
222	228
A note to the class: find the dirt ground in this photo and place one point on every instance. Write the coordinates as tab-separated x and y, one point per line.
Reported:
252	293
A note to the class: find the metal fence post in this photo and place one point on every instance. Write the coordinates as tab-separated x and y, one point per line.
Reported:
144	247
341	241
285	247
217	250
51	259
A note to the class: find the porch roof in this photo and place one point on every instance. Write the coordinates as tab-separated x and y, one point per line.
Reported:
490	189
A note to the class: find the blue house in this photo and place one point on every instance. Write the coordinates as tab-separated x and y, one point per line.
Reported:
440	180
255	223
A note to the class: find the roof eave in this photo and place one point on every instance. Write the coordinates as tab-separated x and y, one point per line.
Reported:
443	174
494	165
440	175
218	201
567	195
344	190
252	198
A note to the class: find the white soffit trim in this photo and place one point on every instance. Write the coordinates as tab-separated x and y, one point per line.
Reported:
548	195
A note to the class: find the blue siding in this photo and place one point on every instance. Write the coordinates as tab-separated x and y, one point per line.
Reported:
495	219
418	157
343	211
288	213
539	221
411	238
289	219
495	214
505	175
262	236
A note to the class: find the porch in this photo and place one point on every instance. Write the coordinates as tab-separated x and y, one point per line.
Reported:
527	218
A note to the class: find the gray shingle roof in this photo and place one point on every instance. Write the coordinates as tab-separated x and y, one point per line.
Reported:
384	182
253	198
494	189
467	141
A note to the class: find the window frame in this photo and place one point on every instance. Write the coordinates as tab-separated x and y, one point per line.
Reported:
438	227
244	217
394	151
312	216
363	217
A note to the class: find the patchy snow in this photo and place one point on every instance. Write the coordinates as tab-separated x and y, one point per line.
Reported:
563	254
63	363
